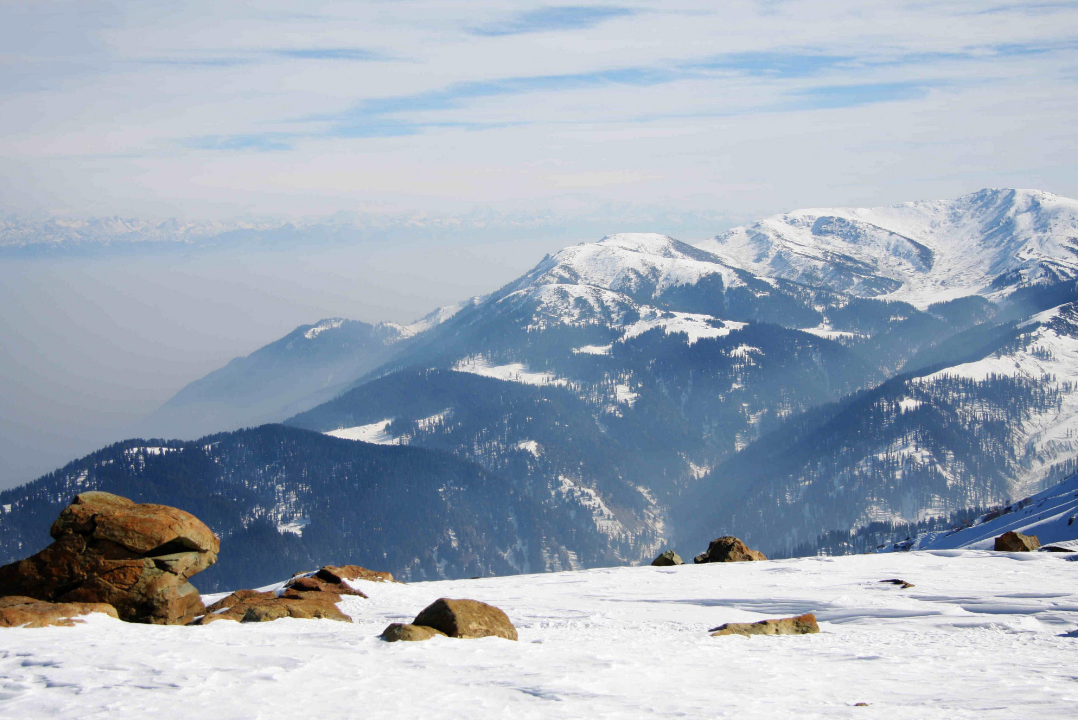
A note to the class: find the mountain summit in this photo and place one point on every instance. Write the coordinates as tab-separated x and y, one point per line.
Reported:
920	252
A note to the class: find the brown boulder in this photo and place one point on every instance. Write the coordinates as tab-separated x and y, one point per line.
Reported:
1017	542
409	633
728	549
668	558
800	625
16	611
109	549
466	619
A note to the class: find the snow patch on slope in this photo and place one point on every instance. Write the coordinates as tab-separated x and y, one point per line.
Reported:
696	326
315	331
512	372
372	433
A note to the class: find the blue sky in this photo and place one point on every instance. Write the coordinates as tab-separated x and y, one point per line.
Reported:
222	109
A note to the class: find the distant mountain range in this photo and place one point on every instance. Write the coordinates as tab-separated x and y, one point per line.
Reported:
818	371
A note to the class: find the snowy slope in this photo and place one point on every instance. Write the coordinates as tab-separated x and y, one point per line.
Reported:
980	635
921	252
614	281
1049	436
1051	515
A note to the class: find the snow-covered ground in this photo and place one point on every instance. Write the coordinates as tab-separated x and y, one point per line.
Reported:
980	635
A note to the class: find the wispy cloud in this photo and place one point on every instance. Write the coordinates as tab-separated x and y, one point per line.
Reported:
354	54
263	142
772	64
844	96
551	18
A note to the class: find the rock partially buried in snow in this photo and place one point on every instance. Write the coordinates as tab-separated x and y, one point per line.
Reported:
397	632
800	625
108	549
16	611
303	586
667	558
306	596
466	619
253	606
1017	542
728	549
338	574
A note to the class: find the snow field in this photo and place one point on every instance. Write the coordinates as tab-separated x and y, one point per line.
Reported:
981	635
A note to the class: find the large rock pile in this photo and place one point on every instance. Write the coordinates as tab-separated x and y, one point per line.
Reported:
728	549
108	549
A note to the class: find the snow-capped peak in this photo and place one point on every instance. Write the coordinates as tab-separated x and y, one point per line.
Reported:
635	264
921	252
646	243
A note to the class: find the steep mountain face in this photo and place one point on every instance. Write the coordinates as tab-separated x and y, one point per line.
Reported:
608	380
310	365
921	252
284	500
978	433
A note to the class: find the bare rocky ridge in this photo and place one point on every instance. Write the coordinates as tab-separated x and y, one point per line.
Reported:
108	549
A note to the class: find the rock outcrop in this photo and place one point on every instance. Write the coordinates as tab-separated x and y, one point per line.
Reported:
728	549
455	618
17	611
335	574
668	558
800	625
306	596
398	632
1017	542
136	557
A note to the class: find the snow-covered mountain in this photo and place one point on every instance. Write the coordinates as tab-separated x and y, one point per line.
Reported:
920	252
644	392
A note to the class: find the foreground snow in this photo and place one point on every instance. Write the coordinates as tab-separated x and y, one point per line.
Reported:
981	635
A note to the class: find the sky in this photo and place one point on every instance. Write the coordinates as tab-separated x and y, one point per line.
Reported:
455	142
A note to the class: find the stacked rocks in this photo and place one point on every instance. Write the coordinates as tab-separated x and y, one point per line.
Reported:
108	549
